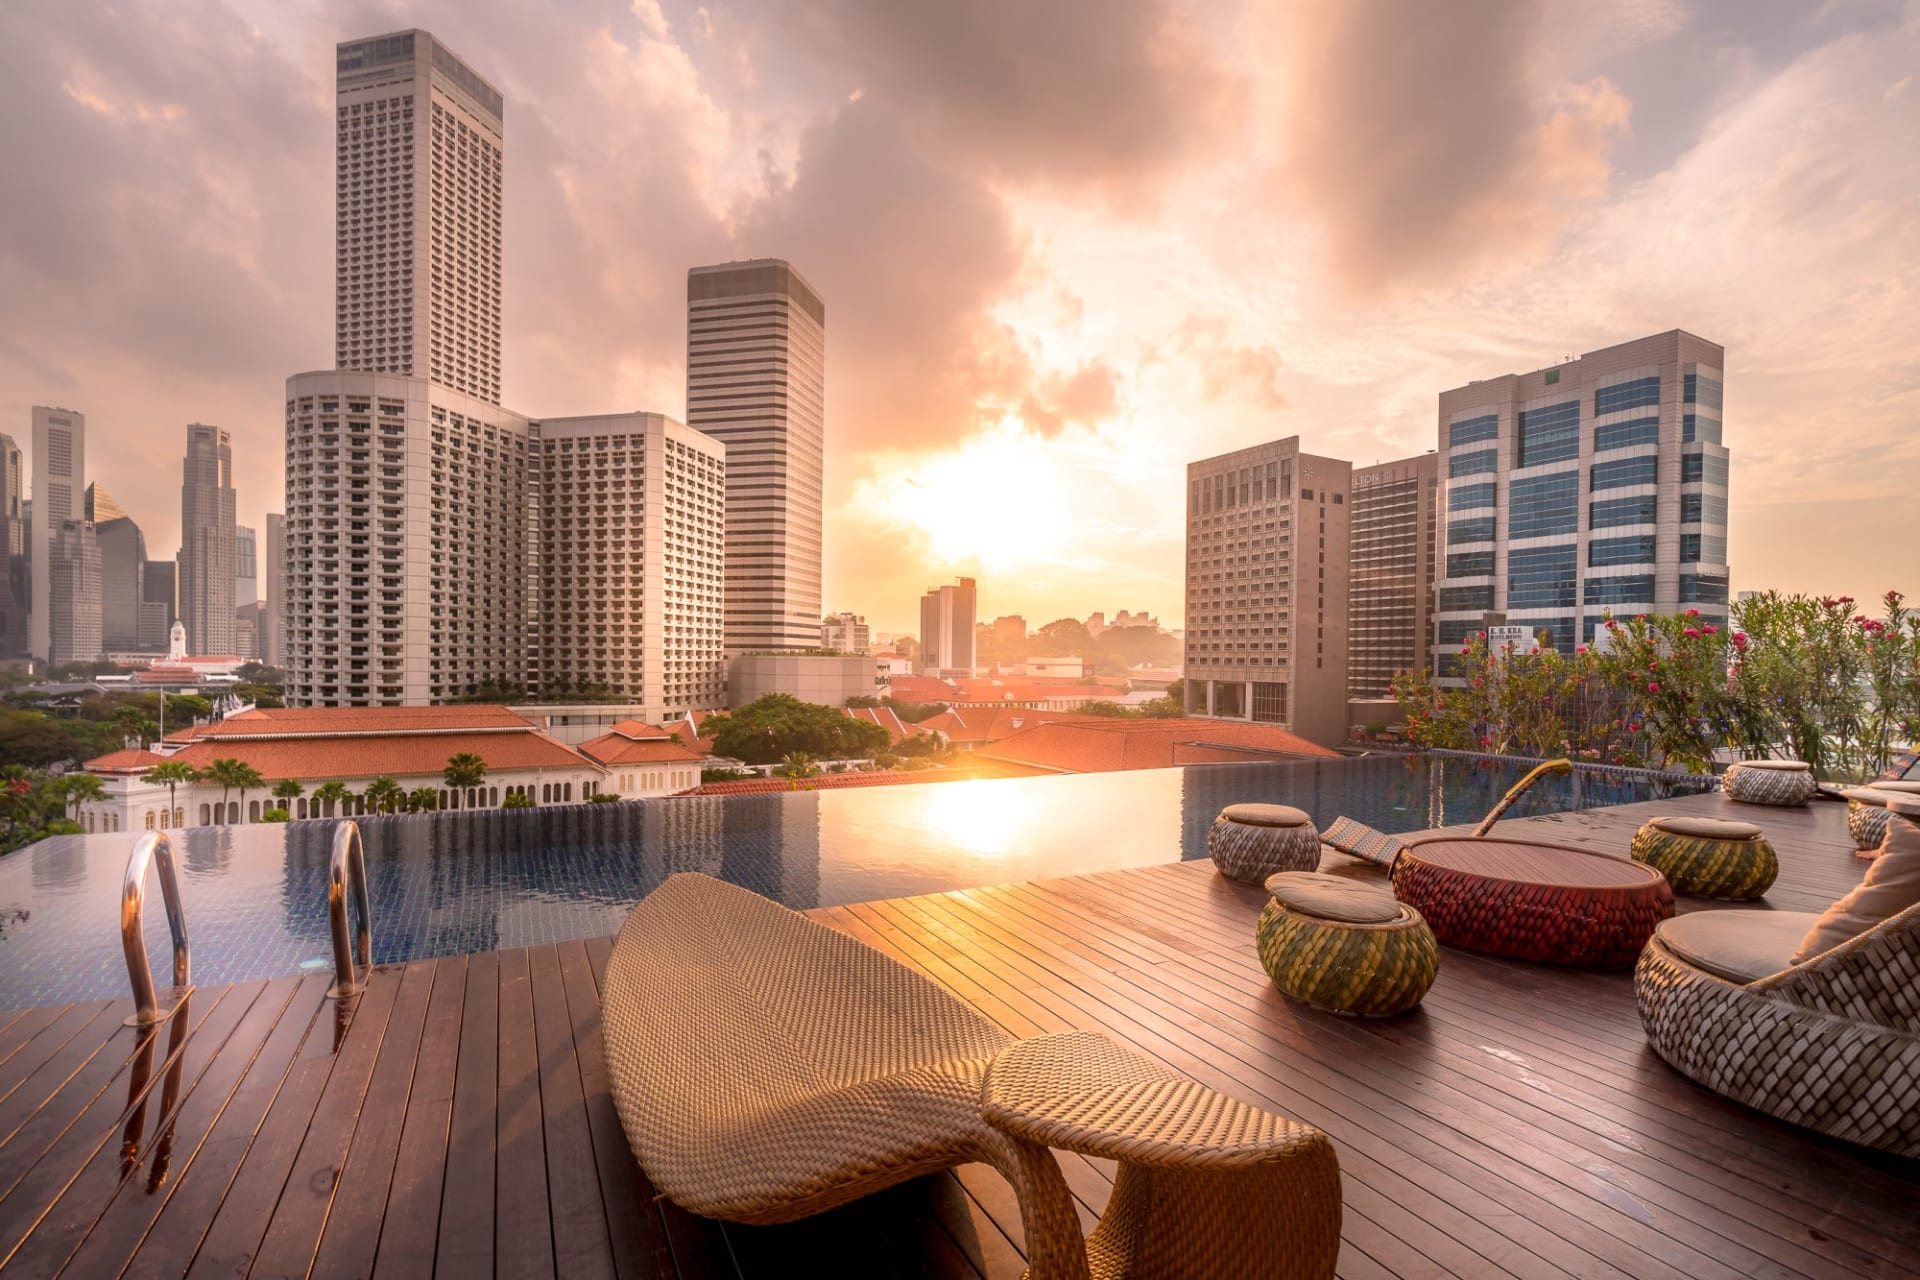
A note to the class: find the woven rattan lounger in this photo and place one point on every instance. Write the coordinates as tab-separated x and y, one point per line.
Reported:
766	1068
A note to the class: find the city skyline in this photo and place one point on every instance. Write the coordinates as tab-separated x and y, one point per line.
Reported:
1085	308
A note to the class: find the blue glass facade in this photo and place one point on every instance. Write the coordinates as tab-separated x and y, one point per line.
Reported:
1611	513
1698	427
1706	548
1473	430
1476	529
1541	506
1469	497
1706	467
1634	550
1622	472
1702	391
1479	462
1470	564
1453	599
1542	577
1702	508
1630	590
1627	395
1625	435
1551	434
1703	588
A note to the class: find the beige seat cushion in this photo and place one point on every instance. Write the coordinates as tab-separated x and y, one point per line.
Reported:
1707	828
1796	766
1740	946
1891	886
1883	795
1266	815
1341	898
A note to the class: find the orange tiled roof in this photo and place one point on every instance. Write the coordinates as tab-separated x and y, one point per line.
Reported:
127	761
617	748
1095	745
887	718
403	755
333	722
688	731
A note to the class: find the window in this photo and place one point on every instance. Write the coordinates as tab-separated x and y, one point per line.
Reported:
1622	472
1542	577
1479	599
1471	564
1551	434
1477	529
1705	467
1627	395
1470	497
1625	435
1457	631
1699	428
1636	550
1473	430
1482	462
1541	506
1702	391
1703	508
1703	588
1704	548
1631	590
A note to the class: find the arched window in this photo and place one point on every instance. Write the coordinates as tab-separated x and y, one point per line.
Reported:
180	816
149	819
546	792
206	815
253	811
233	812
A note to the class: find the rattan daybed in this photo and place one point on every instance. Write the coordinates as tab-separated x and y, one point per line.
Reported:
766	1068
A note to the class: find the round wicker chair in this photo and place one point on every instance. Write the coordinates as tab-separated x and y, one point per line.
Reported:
1867	812
1708	857
1782	783
1832	1044
1345	947
1249	842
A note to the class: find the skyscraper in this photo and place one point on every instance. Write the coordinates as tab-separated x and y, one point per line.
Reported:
123	582
274	569
418	157
207	541
73	594
246	566
1268	541
947	637
1594	486
1395	527
59	471
632	529
15	591
756	381
159	604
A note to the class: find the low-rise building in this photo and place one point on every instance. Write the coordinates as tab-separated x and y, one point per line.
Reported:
643	760
826	678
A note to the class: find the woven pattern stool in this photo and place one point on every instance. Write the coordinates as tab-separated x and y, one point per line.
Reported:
1868	815
1208	1188
1249	842
1782	783
1708	857
1345	946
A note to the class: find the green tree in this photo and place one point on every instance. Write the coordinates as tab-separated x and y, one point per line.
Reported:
275	814
423	800
171	775
1103	707
332	795
769	728
384	795
77	789
233	775
464	771
1061	638
518	800
798	764
288	789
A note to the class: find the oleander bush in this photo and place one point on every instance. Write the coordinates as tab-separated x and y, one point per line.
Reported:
1793	676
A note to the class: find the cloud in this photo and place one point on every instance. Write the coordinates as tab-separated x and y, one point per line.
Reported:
1424	139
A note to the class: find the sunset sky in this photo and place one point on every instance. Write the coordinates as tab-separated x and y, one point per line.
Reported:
1065	246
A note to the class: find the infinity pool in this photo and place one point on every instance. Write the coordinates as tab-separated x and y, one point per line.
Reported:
444	884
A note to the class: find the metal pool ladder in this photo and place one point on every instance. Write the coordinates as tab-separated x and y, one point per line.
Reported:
149	849
347	868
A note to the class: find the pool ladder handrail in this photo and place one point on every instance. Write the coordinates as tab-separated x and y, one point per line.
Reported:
154	847
347	868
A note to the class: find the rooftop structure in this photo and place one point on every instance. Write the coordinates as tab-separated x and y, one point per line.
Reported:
947	638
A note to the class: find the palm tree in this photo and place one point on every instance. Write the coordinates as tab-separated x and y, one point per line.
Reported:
330	794
78	788
233	775
170	775
798	764
464	771
423	800
383	795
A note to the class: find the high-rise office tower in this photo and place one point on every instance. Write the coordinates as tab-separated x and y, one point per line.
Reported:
207	534
246	566
101	506
632	529
846	632
756	381
418	158
947	636
1395	525
1592	487
274	570
73	594
1268	545
123	583
159	604
15	590
59	472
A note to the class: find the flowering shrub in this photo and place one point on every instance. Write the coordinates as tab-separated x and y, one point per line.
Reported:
1789	675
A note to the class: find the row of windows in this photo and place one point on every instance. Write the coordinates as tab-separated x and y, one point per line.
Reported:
1706	548
1703	508
1703	588
1456	598
1542	577
1472	497
1480	462
1473	430
1476	529
1710	468
1630	590
1627	395
1622	472
1702	390
1631	550
1470	564
1541	506
1626	435
1551	434
1700	429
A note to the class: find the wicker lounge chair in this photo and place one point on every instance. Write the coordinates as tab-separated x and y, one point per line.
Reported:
1358	840
767	1068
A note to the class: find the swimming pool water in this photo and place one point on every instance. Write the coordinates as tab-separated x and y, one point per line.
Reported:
445	884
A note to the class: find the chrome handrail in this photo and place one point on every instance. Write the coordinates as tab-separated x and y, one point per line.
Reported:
155	846
348	866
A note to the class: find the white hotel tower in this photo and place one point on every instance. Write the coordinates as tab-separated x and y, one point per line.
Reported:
417	507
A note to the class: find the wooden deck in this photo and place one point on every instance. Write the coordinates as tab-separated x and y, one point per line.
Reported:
454	1121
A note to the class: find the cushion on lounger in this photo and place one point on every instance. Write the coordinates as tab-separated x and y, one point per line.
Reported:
1740	946
1338	898
1266	815
1892	885
1707	828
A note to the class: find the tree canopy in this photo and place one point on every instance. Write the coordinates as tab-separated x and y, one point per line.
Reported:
772	727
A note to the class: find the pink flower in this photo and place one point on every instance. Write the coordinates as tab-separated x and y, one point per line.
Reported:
1693	613
1653	686
1580	648
1692	633
1710	629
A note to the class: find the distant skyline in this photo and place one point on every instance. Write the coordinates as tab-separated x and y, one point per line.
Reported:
1068	249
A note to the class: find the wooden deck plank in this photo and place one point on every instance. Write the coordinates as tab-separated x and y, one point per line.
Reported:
524	1239
410	1229
582	1244
64	1086
465	1246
